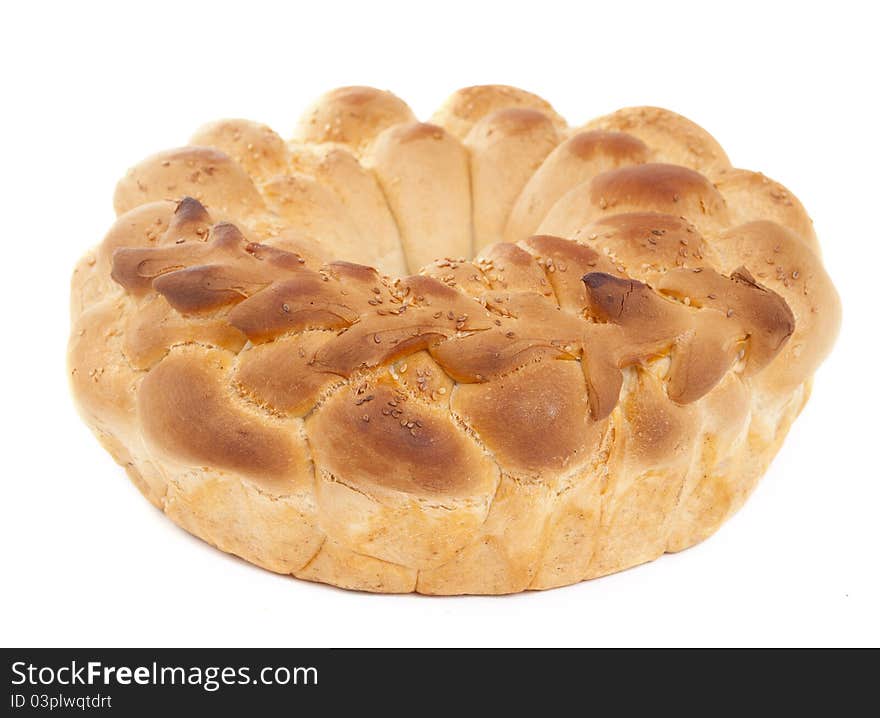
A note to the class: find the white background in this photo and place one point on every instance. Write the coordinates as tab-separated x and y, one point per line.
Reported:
788	89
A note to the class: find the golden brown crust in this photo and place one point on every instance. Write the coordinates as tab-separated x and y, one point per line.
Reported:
506	148
673	138
467	106
352	116
257	148
577	160
754	197
379	436
248	343
534	421
424	172
281	375
650	187
359	192
780	259
189	414
645	245
208	175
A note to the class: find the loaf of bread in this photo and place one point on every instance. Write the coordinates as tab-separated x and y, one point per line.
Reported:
484	354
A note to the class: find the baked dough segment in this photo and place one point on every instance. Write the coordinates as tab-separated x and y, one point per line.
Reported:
651	187
207	174
103	382
282	375
464	276
339	566
753	197
566	264
510	268
504	554
189	415
336	168
425	174
718	481
535	421
780	260
577	160
397	436
301	201
467	106
527	328
655	440
767	321
645	245
351	116
424	378
506	148
396	478
570	535
673	138
305	300
155	327
257	148
144	226
243	518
